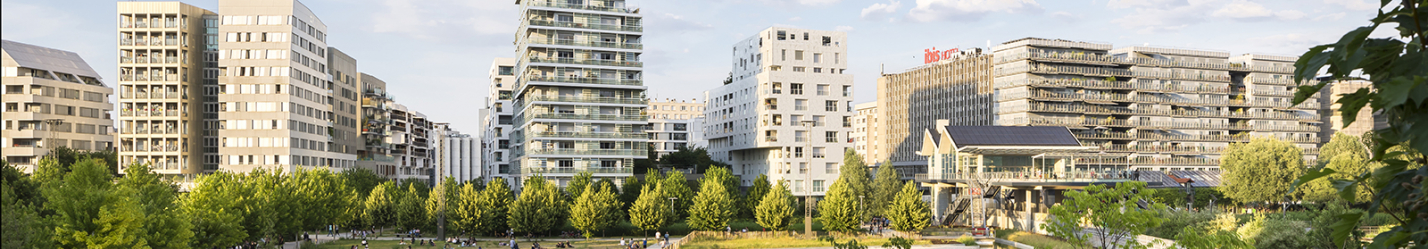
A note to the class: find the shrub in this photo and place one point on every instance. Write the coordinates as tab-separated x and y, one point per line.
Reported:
1175	221
967	240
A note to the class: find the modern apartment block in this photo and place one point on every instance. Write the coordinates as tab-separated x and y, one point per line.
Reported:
164	70
957	88
1333	118
1169	109
275	88
788	112
496	141
411	143
344	103
457	155
579	93
376	123
52	99
675	124
865	132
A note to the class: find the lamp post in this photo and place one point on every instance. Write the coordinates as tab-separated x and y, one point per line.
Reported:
808	178
671	205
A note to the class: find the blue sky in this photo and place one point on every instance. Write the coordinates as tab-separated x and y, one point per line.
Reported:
435	54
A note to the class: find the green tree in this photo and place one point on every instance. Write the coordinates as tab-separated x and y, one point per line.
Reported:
750	202
1262	170
362	180
696	158
577	184
886	187
379	210
630	192
1112	211
652	178
1194	237
839	209
775	208
322	196
466	216
596	209
442	200
18	218
650	212
410	211
859	180
495	201
25	188
271	210
91	212
907	211
214	208
676	186
165	226
1347	155
713	207
1395	65
539	209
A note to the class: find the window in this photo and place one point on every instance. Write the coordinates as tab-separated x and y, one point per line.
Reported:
506	70
795	88
847	121
798	55
565	163
817	57
818	152
681	127
847	91
607	145
817	185
797	185
822	88
831	136
831	105
783	54
805	36
800	104
827	40
782	35
799	136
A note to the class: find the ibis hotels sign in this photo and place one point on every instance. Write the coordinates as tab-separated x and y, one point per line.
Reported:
932	55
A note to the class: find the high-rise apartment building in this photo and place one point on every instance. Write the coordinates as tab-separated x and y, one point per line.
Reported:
376	122
579	94
957	88
1365	121
675	124
496	141
411	143
52	99
344	103
275	88
1169	109
788	112
865	132
166	75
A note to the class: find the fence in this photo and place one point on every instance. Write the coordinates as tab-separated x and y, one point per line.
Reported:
699	236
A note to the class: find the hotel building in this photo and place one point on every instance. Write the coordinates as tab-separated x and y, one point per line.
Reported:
52	99
788	112
579	94
166	76
675	124
956	88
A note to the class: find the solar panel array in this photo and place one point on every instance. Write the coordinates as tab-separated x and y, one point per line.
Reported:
1011	135
1202	179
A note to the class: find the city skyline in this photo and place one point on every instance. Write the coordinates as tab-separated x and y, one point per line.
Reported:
685	53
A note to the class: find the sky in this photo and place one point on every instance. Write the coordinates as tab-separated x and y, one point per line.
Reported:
435	55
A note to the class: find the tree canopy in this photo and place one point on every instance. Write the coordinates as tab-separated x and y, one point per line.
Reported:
1111	211
1262	170
775	208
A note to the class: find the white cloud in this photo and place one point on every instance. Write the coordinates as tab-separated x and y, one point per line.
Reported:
844	28
968	10
1331	17
795	19
879	10
802	2
1353	4
668	22
1292	42
1065	16
1289	15
1152	16
1243	10
441	20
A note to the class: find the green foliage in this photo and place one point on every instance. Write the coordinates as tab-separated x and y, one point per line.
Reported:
839	209
18	219
362	180
164	225
410	211
322	196
851	244
856	174
271	209
25	189
676	186
466	216
214	207
750	203
539	209
1262	170
898	243
595	210
1347	155
775	208
1276	233
91	212
442	200
908	212
966	240
1323	230
1111	210
690	157
650	212
713	207
577	185
495	200
630	192
1195	237
1176	221
886	186
1396	66
380	208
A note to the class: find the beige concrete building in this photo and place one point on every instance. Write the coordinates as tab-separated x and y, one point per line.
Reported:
1365	121
865	132
52	99
164	79
675	124
789	110
956	88
579	90
275	88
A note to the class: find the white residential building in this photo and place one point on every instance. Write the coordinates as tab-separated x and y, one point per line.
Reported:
676	124
52	99
163	54
782	78
865	132
496	141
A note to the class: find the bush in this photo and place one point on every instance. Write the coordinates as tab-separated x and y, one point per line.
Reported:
967	240
1279	233
1176	221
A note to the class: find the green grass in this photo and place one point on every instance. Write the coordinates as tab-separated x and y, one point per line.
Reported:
785	242
1034	240
386	244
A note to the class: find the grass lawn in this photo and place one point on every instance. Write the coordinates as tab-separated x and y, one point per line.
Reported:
786	242
1034	240
386	244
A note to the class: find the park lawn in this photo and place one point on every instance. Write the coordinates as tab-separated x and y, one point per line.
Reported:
786	242
388	244
1034	240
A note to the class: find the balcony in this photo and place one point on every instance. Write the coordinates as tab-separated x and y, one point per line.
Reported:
582	7
614	135
588	152
616	63
611	27
582	80
1111	122
605	117
573	170
571	42
1023	174
587	99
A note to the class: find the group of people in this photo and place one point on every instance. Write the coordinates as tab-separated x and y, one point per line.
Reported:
877	225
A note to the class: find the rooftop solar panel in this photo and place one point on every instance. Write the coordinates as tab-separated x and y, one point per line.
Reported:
1011	135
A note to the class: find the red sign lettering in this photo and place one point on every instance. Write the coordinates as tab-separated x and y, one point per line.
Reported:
933	55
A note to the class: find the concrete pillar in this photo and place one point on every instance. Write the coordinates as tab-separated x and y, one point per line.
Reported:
1030	211
939	201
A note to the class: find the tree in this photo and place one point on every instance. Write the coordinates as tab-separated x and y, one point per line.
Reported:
1110	211
839	209
91	212
713	207
467	215
690	157
1348	157
410	214
442	200
886	187
539	209
595	210
577	184
750	204
379	210
630	192
322	196
853	169
775	208
675	186
907	211
1262	170
165	226
362	180
650	212
18	219
1395	66
271	212
1194	237
215	210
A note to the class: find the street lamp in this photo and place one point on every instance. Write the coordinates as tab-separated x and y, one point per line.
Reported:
808	178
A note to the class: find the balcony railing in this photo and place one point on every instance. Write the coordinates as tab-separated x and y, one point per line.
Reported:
618	135
586	99
1162	124
613	27
617	63
608	117
1036	175
588	152
573	170
582	7
570	42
